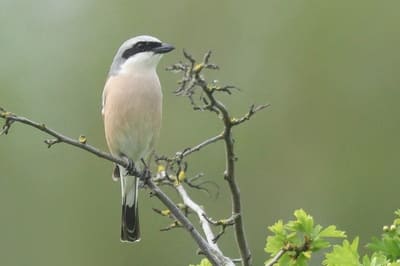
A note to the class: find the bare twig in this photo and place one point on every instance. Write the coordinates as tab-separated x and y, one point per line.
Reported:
198	147
248	115
214	255
59	138
202	185
224	223
175	224
201	215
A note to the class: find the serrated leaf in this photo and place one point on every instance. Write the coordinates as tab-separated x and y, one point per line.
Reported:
304	223
331	231
277	228
277	241
274	244
389	245
302	260
343	255
316	231
299	234
285	260
319	244
376	260
366	261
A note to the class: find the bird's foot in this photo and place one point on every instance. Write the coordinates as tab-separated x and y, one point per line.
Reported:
145	174
131	169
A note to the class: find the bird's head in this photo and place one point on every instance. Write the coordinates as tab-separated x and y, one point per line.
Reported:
139	53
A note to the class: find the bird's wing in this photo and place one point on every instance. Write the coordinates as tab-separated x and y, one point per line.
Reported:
103	100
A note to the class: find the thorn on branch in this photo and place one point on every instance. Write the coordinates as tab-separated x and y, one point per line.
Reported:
168	213
178	67
227	89
7	125
174	225
252	111
207	56
192	79
165	212
201	185
189	57
206	60
224	223
51	142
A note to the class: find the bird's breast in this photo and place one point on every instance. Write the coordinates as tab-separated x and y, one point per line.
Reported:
132	114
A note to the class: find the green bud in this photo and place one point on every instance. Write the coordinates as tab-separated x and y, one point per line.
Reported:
385	228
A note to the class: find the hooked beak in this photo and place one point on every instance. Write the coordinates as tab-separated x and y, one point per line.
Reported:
164	48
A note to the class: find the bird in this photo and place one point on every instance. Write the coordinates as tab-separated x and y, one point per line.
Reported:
132	112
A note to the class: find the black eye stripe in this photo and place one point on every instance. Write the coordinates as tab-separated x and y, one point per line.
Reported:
140	47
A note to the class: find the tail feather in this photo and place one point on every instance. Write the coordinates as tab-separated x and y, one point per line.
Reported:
130	231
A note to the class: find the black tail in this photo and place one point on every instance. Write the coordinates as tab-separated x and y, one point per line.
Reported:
130	231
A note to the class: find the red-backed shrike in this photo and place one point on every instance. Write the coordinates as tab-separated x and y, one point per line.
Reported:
132	106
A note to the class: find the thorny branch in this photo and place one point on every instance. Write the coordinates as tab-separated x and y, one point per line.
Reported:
191	82
224	223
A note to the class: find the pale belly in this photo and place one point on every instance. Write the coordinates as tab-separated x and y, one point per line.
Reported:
132	117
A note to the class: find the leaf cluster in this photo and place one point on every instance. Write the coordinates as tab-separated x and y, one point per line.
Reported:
298	239
389	243
293	244
386	250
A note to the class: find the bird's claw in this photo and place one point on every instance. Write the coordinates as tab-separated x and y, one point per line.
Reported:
131	169
145	175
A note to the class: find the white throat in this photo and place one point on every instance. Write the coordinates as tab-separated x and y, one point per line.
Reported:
142	62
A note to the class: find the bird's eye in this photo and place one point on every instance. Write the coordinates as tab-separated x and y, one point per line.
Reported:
139	45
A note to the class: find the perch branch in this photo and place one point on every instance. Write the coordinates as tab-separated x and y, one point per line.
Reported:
213	255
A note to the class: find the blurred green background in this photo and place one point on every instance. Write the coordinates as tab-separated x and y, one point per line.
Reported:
329	143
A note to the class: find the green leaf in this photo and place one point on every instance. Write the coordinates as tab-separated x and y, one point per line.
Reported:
304	222
302	260
376	260
277	241
300	238
389	245
285	260
274	244
344	255
331	231
277	228
319	244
